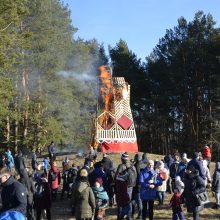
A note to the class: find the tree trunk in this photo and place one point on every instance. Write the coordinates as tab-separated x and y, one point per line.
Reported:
15	123
7	133
25	79
39	110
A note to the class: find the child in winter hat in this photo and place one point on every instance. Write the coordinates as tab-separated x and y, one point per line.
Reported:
179	184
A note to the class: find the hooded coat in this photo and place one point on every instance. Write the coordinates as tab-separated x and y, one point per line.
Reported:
216	178
83	200
194	184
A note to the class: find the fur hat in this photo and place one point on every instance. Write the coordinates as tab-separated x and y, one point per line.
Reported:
83	173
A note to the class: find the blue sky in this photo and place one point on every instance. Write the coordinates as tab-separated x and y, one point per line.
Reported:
139	22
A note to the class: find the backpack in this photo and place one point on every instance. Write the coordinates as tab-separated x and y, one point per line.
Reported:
53	175
39	190
132	176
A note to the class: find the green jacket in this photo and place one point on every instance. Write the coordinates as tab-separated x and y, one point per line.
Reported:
83	200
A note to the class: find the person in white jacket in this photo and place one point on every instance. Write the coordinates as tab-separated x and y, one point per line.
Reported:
164	175
208	178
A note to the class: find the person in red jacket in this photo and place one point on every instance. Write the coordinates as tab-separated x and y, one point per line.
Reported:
207	154
54	179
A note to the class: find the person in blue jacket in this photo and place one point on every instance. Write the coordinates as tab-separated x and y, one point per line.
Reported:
12	215
9	160
45	165
149	181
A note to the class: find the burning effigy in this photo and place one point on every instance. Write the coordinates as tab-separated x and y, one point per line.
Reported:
114	127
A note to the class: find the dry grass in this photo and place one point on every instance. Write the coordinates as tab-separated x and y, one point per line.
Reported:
61	210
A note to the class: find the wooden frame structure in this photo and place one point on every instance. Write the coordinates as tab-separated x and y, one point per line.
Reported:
119	135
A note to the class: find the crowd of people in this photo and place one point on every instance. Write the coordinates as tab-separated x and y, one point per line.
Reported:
132	187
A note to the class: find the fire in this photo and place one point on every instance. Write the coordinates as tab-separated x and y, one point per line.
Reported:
105	87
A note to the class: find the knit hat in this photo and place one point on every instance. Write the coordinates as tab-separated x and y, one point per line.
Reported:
99	180
83	173
125	156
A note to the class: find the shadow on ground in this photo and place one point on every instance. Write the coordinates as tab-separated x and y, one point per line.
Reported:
61	211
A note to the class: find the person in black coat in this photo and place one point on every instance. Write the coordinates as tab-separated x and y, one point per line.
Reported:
42	198
168	161
136	198
194	184
107	163
29	185
19	162
197	164
13	194
216	185
51	152
34	162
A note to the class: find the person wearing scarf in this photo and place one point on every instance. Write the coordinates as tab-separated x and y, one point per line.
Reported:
101	198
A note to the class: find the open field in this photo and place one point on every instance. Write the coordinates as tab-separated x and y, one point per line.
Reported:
61	209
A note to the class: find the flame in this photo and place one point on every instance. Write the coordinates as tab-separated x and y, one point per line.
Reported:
105	87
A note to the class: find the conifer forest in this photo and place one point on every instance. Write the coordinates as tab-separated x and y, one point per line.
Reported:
48	81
